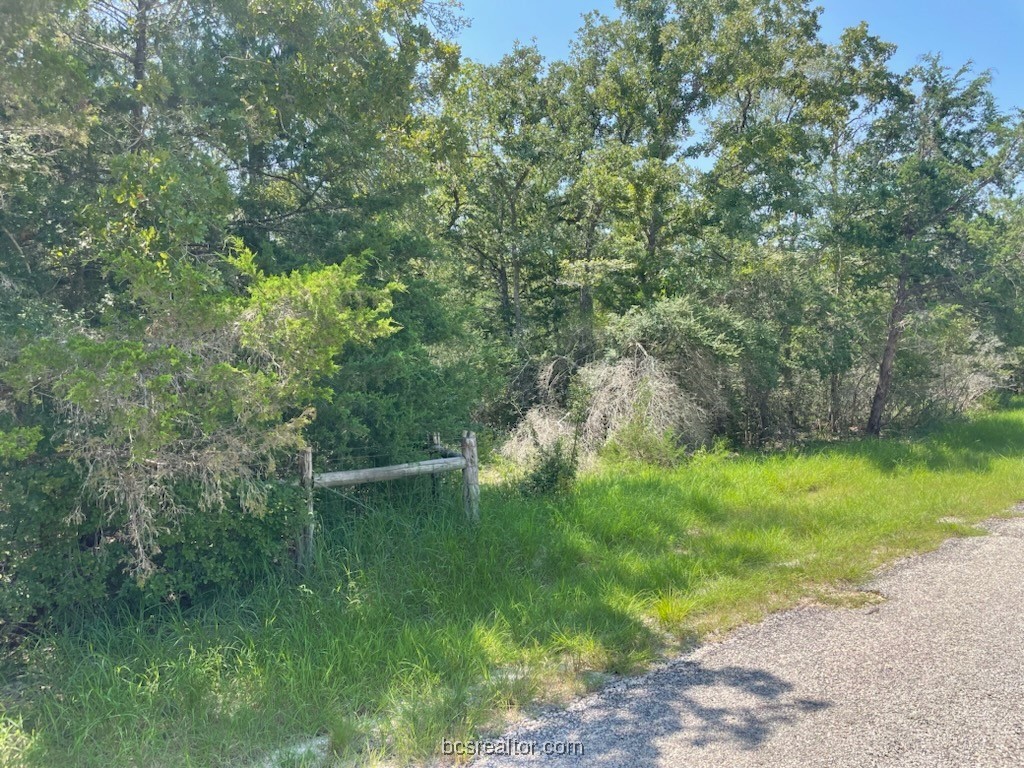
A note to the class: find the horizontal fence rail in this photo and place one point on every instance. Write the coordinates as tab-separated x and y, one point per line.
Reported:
465	459
394	472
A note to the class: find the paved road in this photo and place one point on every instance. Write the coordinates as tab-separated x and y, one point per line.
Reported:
932	676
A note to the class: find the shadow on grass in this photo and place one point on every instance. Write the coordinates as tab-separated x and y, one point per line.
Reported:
413	618
962	446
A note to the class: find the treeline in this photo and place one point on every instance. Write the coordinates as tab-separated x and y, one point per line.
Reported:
231	227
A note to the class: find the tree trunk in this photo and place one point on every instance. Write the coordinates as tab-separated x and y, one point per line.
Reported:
586	335
885	370
587	343
834	403
517	299
650	265
504	297
139	57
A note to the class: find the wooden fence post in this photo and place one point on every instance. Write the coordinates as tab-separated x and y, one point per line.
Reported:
305	549
433	446
471	478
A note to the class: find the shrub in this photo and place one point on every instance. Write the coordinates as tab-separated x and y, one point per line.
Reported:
553	470
57	559
62	558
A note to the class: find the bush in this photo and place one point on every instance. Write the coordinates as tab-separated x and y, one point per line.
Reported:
635	442
947	365
553	470
57	562
62	559
224	548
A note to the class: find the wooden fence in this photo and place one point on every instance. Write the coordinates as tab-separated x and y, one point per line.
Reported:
465	459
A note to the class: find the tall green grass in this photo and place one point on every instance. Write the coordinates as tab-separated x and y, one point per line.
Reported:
413	627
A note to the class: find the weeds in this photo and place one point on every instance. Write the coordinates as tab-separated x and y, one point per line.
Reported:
412	627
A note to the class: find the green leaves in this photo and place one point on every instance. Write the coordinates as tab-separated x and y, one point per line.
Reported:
298	323
218	215
19	443
215	404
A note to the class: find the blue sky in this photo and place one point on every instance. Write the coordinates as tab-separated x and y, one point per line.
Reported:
989	32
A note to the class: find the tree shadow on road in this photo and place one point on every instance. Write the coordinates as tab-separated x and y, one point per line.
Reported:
687	702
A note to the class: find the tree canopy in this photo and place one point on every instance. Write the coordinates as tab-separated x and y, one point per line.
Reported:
231	228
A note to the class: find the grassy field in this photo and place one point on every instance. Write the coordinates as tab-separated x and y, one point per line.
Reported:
414	628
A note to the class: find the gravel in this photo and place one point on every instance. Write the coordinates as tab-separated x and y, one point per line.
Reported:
931	676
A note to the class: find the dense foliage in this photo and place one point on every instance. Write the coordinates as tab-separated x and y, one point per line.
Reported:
229	228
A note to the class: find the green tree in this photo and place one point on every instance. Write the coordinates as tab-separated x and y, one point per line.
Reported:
924	174
207	202
499	191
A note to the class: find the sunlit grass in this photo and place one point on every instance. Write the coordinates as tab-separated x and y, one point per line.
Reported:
413	627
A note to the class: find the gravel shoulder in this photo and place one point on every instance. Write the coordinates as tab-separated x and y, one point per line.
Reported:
931	676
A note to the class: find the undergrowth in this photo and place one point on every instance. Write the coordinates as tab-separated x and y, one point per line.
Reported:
412	627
